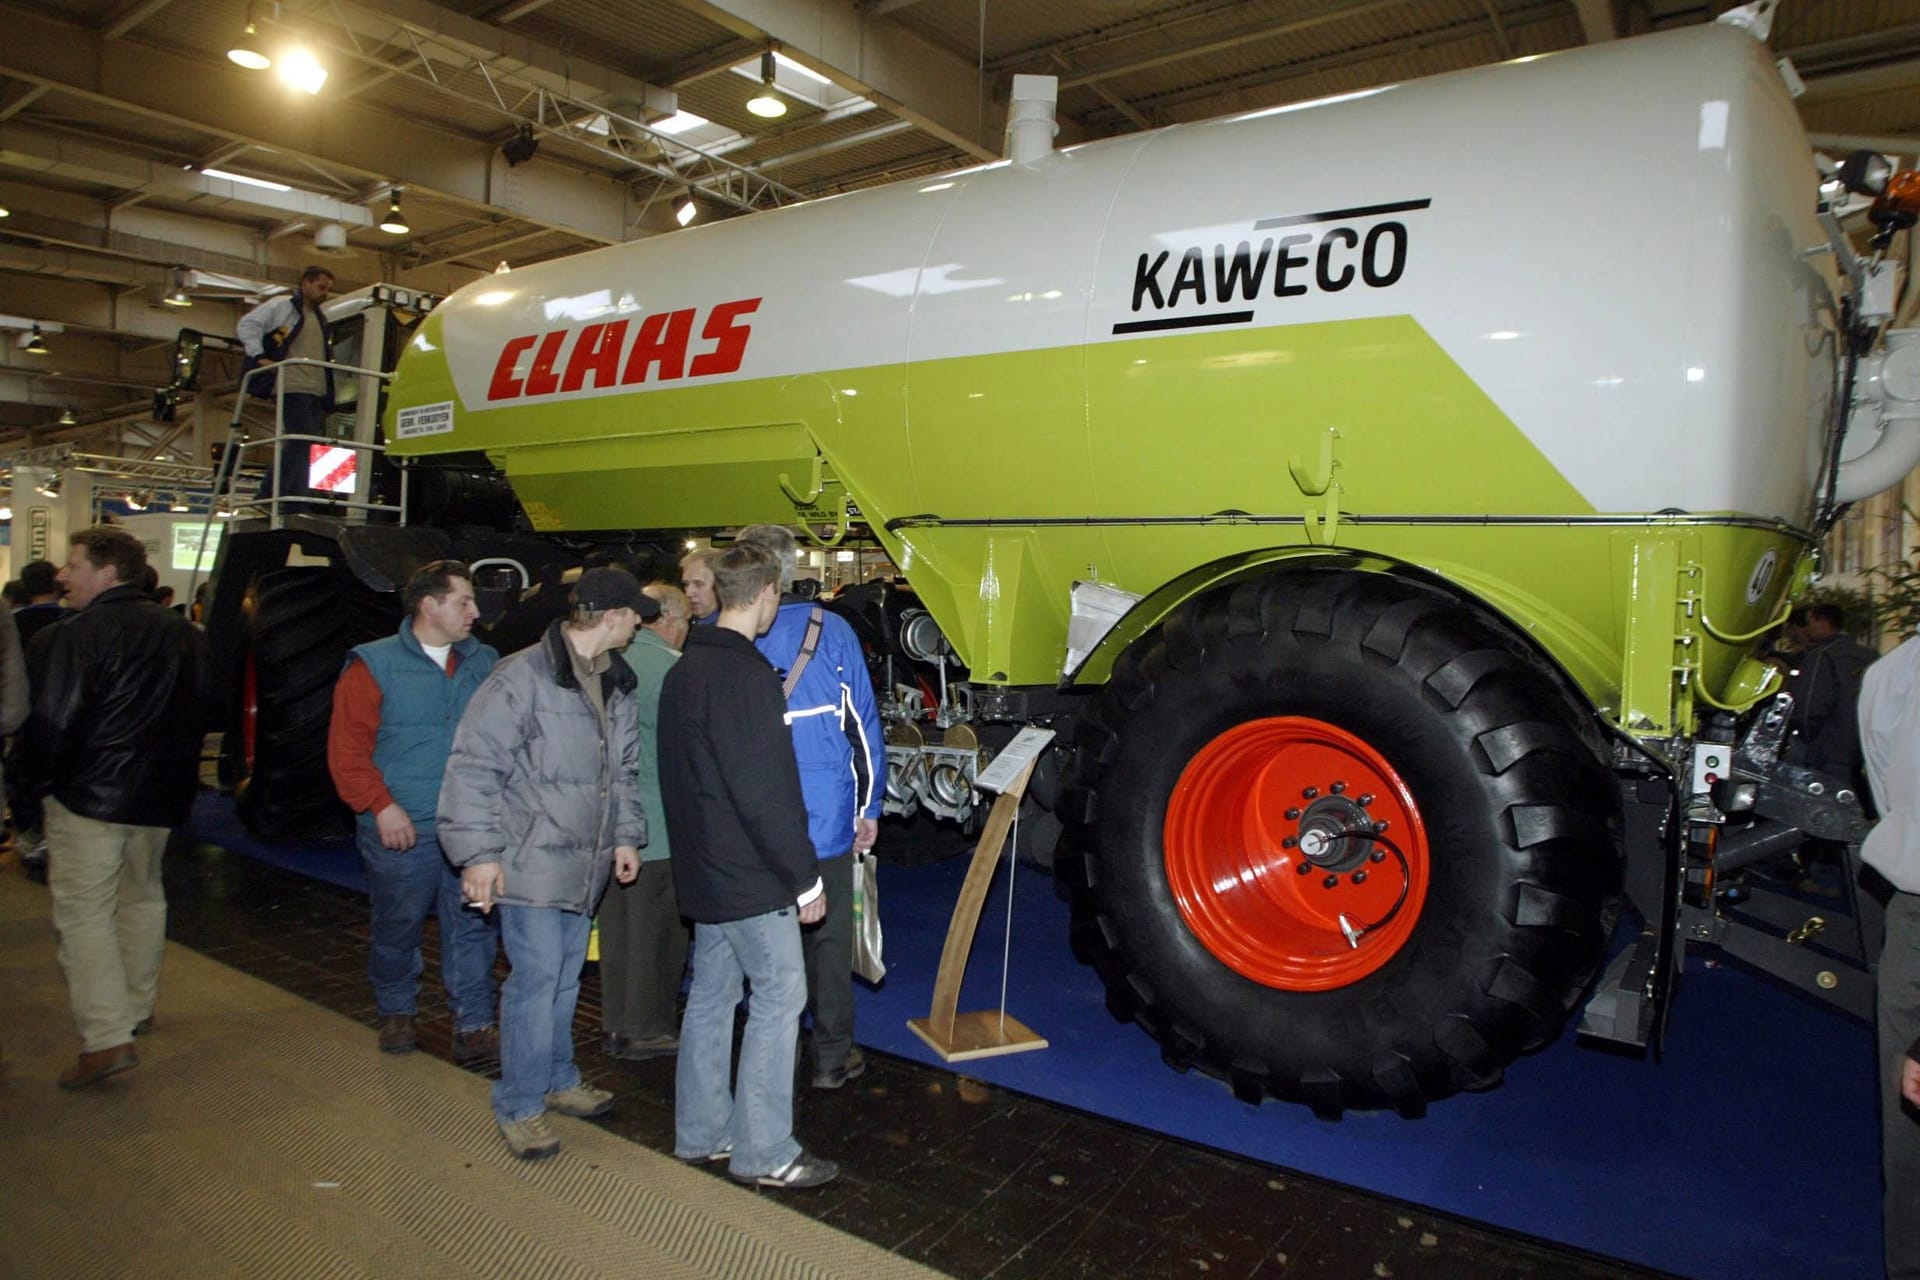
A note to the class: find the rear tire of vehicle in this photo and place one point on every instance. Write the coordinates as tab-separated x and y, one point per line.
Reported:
1504	837
304	622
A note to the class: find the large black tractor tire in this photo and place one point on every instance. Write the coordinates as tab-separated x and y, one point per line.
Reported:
304	621
1254	716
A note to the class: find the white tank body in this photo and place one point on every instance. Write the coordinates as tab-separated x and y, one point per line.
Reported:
1629	288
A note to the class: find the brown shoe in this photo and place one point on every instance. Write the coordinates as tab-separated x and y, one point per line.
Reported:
92	1068
143	1026
396	1034
480	1042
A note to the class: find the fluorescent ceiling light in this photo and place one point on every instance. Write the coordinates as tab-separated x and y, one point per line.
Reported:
302	71
678	122
808	72
686	210
244	180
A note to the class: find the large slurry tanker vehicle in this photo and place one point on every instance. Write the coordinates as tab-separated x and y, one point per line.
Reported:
1381	497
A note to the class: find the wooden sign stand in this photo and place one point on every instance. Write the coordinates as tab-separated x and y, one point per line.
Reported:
991	1032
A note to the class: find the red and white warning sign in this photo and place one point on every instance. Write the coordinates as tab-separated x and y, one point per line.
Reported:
330	469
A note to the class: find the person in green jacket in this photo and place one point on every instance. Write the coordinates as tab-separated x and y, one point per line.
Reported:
643	940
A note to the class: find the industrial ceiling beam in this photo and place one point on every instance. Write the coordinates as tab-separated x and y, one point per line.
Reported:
46	151
131	16
1598	20
351	138
901	70
1201	46
447	36
1217	96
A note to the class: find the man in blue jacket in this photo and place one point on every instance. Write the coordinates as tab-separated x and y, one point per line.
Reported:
843	775
395	708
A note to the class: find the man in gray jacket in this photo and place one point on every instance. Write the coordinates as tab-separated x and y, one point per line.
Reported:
538	803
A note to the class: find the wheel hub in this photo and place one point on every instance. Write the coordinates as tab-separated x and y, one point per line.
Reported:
1295	853
1331	833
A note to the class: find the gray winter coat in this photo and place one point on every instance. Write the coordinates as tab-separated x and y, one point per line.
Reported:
532	784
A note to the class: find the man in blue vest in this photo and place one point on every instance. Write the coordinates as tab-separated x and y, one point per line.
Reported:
395	709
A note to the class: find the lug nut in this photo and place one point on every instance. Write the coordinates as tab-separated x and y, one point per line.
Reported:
1310	792
1366	799
1360	877
1305	868
1380	825
1338	788
1378	855
1288	843
1293	815
1330	882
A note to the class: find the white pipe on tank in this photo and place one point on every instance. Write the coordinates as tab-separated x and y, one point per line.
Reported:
1886	464
1030	123
1886	399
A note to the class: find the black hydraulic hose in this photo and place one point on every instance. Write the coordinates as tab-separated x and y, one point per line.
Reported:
1406	878
1855	343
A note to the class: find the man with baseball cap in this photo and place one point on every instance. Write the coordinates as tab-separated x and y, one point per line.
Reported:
540	801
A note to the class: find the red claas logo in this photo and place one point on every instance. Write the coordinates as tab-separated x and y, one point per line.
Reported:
621	353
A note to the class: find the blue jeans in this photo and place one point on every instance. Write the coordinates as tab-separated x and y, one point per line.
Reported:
547	947
405	886
756	1116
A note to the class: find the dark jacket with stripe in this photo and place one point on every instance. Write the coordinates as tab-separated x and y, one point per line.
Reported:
729	783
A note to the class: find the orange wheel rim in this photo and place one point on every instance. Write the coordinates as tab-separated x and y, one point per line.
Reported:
1296	854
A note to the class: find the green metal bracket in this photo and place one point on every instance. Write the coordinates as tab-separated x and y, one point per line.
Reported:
1322	527
1647	678
816	484
1314	483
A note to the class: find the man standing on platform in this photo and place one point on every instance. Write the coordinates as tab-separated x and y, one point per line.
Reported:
1889	716
643	940
746	876
292	327
842	755
540	801
113	745
395	708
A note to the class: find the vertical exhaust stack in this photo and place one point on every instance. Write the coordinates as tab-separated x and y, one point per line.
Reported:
1030	123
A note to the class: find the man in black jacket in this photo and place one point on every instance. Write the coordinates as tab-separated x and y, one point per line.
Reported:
113	745
1824	730
746	875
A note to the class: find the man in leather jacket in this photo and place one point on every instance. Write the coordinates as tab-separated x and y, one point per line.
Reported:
112	744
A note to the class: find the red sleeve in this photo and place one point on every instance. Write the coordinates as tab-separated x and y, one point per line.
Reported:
350	739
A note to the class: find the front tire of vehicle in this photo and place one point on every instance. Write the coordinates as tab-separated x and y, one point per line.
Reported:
1223	733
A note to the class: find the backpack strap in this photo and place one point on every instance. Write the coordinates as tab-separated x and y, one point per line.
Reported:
808	644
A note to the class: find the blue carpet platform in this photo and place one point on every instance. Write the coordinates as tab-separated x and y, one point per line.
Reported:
1750	1152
